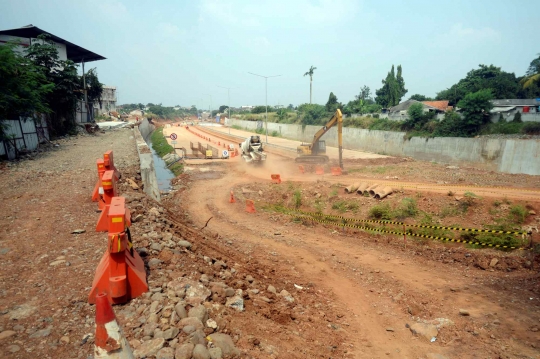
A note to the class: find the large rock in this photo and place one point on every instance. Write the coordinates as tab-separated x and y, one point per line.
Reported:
427	331
215	353
165	353
194	289
149	347
170	333
225	343
181	310
197	337
235	302
200	352
184	351
200	312
195	322
184	244
6	334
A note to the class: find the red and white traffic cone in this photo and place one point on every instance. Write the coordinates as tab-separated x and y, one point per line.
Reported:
110	341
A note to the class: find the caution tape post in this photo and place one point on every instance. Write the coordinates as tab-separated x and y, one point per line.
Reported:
120	273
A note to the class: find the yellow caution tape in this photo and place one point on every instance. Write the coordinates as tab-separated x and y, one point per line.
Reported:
405	224
445	239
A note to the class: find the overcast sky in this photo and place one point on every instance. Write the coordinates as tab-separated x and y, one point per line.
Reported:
179	52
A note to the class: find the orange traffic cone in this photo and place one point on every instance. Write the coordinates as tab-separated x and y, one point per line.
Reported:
110	341
232	200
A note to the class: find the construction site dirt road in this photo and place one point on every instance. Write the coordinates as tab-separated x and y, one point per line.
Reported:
315	290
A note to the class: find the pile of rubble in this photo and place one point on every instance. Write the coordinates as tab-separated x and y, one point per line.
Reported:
185	313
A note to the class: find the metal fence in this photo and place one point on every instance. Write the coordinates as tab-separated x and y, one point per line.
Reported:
81	113
23	134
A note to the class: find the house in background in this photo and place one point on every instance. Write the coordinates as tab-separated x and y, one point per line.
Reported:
26	35
108	101
399	112
26	134
529	109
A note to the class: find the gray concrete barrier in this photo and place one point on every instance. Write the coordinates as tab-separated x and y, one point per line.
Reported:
148	172
494	154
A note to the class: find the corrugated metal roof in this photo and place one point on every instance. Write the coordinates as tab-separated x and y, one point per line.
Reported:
516	102
75	53
502	109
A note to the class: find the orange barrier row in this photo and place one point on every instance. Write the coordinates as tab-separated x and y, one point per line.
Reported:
120	274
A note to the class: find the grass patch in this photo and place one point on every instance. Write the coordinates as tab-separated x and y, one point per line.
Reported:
297	199
381	211
506	128
177	168
469	200
518	213
448	211
344	206
274	134
159	143
406	208
236	127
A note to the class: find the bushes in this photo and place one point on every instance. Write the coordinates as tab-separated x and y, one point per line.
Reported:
531	128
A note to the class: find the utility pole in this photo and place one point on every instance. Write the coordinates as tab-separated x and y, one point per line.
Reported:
210	108
266	91
229	106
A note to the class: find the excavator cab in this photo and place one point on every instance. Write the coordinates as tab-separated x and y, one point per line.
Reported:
315	152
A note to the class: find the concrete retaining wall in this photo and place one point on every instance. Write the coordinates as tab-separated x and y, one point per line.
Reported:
146	129
502	155
148	171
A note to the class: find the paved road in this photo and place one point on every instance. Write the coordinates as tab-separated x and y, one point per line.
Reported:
332	152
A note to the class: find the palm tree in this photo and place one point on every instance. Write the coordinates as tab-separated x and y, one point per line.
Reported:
533	73
310	73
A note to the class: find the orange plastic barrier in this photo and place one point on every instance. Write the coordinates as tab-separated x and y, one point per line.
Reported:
302	169
101	170
276	179
109	164
250	206
120	273
232	200
336	171
319	170
108	184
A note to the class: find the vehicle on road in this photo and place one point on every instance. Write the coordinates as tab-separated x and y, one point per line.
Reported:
252	150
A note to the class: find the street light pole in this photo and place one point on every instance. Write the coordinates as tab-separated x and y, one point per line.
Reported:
229	97
266	95
210	108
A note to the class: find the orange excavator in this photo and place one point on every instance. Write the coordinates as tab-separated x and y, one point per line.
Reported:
315	152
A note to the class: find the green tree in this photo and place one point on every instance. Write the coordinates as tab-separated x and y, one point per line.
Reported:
532	76
415	117
332	103
63	74
312	114
475	108
290	107
365	94
391	92
23	88
260	109
281	114
94	88
502	84
419	97
310	73
223	108
401	83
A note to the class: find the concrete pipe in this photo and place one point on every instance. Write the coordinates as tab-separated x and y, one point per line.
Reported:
381	192
352	188
370	189
361	188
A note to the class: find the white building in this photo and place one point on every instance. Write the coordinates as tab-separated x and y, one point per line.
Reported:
27	35
108	101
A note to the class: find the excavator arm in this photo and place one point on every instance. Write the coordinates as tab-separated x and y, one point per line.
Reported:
337	118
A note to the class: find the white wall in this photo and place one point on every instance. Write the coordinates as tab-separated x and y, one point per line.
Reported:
503	155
